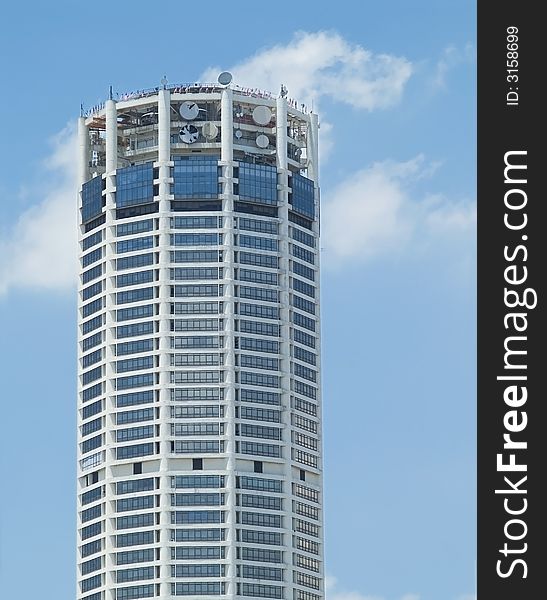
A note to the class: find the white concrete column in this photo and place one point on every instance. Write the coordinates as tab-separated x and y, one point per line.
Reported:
313	147
226	157
110	338
83	143
281	128
111	136
163	162
283	202
227	125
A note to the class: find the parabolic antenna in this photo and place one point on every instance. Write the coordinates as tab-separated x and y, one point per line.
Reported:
262	141
262	115
189	110
209	131
238	134
225	78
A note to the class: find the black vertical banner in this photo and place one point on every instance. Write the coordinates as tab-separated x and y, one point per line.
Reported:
512	268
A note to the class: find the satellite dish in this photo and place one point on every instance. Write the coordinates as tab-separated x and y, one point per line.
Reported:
262	141
209	131
262	115
189	133
189	110
225	78
238	134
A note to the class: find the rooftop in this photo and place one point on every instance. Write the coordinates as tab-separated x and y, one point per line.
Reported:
187	88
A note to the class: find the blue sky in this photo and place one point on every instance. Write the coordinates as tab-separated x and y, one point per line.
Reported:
394	83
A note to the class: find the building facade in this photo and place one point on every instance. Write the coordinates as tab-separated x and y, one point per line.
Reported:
199	408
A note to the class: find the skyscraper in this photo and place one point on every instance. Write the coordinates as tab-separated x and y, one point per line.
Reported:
199	411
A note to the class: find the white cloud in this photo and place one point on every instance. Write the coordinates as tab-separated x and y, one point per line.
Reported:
323	64
451	57
40	249
373	213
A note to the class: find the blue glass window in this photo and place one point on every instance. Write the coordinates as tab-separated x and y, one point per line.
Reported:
125	331
303	321
134	451
303	200
260	243
92	257
91	375
134	399
303	304
196	177
256	293
302	237
135	295
259	328
91	583
138	574
195	571
132	244
92	273
306	390
257	310
91	426
134	347
91	359
134	364
257	225
302	270
91	565
91	548
259	379
134	278
92	290
303	254
135	556
135	185
92	444
134	433
92	341
135	591
261	591
136	503
196	239
135	312
260	397
133	381
92	495
258	183
255	572
197	589
303	338
197	516
135	416
92	200
259	260
134	262
196	222
92	307
92	409
260	450
196	291
196	481
302	287
253	276
135	227
92	240
196	535
135	485
92	392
